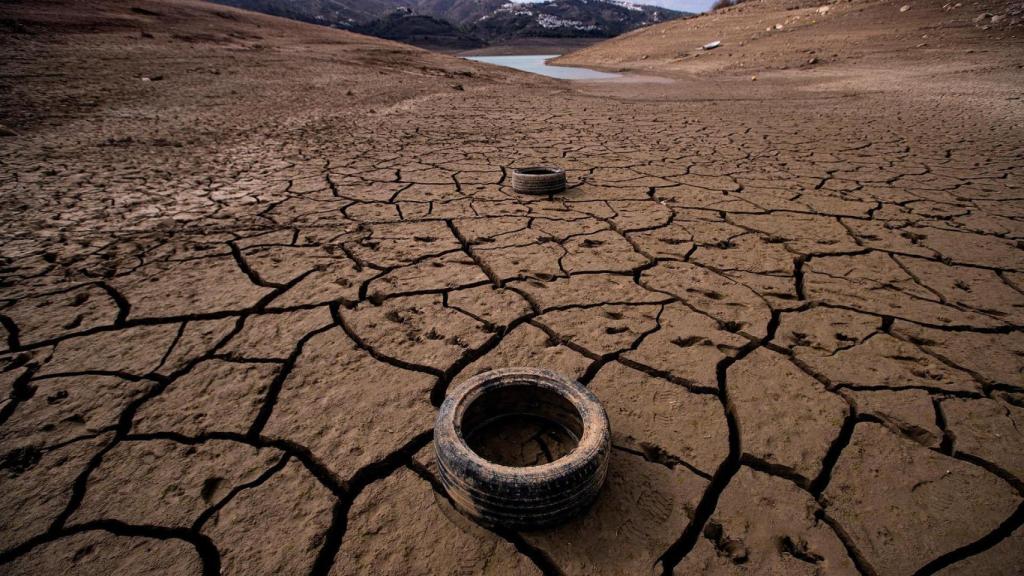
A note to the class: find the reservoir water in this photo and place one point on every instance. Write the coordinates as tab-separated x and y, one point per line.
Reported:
537	64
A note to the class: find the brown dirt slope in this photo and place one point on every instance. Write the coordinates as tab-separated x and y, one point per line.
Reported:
760	35
150	83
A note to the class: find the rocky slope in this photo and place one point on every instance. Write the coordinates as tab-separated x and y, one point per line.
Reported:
760	35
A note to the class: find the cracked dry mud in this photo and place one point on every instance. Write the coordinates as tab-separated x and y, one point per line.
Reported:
232	301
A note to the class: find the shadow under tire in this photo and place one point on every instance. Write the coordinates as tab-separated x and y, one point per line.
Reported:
522	497
538	180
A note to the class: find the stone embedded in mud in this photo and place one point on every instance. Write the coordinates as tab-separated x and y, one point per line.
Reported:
904	505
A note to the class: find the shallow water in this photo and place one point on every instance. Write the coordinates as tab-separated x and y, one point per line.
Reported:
537	64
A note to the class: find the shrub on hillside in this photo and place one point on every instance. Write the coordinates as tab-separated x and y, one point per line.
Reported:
719	4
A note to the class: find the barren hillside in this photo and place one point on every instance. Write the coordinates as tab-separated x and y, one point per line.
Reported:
759	35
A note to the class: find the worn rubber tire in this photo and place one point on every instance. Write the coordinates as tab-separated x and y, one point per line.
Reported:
522	497
538	180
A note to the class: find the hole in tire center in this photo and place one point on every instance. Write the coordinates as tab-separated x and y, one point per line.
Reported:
536	171
521	425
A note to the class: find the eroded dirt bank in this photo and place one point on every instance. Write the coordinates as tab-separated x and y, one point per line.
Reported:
234	294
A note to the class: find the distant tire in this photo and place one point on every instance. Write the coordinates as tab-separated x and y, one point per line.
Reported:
538	180
530	496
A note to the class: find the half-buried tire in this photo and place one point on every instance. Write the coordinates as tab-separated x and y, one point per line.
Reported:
522	496
538	180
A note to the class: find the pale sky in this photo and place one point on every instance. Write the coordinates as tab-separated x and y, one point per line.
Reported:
682	5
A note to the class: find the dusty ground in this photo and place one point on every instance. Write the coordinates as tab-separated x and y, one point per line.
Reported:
235	294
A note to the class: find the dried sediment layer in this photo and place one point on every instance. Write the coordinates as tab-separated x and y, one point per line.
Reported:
229	318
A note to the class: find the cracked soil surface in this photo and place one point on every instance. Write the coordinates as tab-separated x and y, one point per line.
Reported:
244	259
